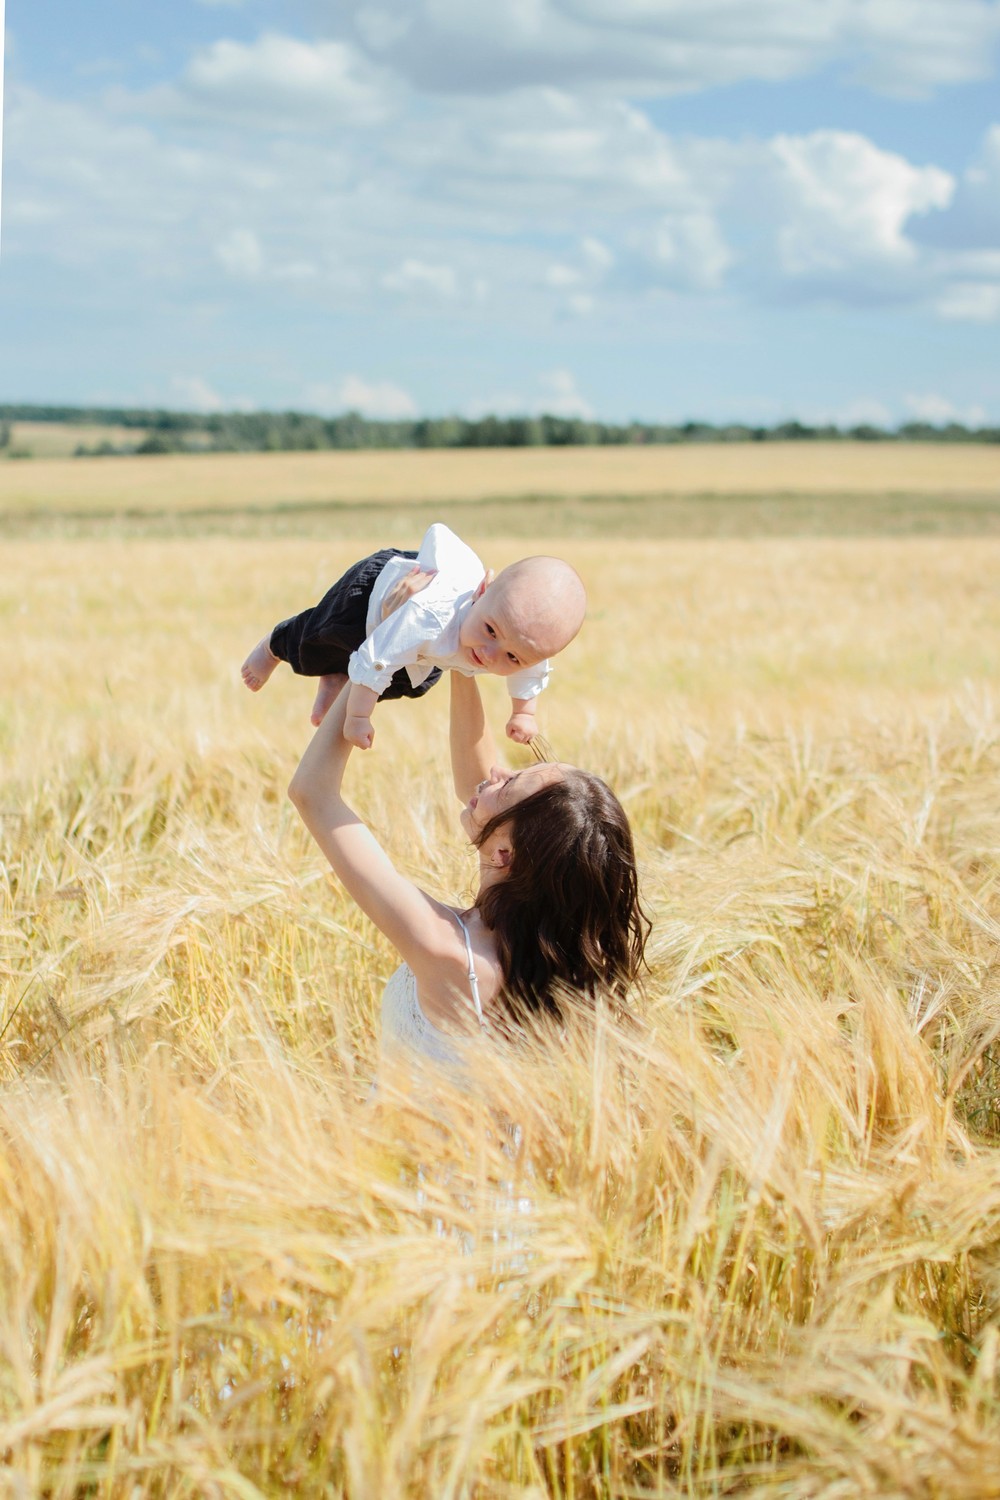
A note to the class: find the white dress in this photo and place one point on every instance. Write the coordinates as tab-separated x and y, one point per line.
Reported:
406	1030
407	1035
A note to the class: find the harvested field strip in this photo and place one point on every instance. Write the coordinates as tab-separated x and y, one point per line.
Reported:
251	480
661	517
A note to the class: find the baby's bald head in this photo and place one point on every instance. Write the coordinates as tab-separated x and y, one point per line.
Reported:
544	598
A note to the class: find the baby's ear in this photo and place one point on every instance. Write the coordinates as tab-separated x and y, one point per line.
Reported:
485	582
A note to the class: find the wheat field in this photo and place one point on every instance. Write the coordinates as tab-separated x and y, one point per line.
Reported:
747	1241
60	440
181	483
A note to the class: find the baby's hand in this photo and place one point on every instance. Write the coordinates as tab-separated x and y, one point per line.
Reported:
522	728
358	730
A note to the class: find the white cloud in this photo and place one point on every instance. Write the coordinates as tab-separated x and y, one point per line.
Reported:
240	253
688	250
107	187
596	254
501	404
560	397
549	145
974	265
595	260
28	210
831	212
578	283
275	83
379	28
847	201
524	211
908	47
974	220
127	204
193	393
561	276
551	164
865	412
296	270
417	276
379	398
321	397
938	409
970	302
557	395
985	171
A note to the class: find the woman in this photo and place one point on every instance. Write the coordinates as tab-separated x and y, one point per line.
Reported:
557	906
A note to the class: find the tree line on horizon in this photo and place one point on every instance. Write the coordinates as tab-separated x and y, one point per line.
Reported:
162	431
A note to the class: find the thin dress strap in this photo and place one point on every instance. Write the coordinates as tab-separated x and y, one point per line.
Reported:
473	981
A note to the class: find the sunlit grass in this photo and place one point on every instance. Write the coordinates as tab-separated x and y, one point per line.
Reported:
750	1240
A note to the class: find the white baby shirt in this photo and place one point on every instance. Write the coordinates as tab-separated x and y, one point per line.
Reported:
423	633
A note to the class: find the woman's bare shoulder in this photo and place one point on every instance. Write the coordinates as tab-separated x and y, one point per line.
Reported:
444	986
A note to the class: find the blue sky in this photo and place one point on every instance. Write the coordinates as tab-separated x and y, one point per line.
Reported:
663	209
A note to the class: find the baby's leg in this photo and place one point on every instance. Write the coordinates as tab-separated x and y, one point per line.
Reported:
259	664
327	693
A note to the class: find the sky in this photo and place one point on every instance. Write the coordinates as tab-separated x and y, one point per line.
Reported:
728	210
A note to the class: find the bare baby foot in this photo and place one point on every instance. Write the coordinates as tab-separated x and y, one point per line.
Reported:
259	665
327	693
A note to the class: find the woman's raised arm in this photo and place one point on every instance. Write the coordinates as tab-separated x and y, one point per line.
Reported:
419	927
473	748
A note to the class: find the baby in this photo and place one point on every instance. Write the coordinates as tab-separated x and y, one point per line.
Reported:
465	620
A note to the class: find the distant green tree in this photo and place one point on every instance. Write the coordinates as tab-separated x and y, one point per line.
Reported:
159	442
163	431
439	432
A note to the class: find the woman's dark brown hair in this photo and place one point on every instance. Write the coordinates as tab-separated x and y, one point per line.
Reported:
568	915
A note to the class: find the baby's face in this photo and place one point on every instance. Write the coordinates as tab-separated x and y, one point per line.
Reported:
496	637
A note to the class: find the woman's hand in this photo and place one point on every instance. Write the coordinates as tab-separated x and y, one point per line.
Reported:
414	582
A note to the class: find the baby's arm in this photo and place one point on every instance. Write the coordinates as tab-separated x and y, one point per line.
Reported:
522	724
524	687
358	724
392	644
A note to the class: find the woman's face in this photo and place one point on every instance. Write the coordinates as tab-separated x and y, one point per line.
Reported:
503	790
